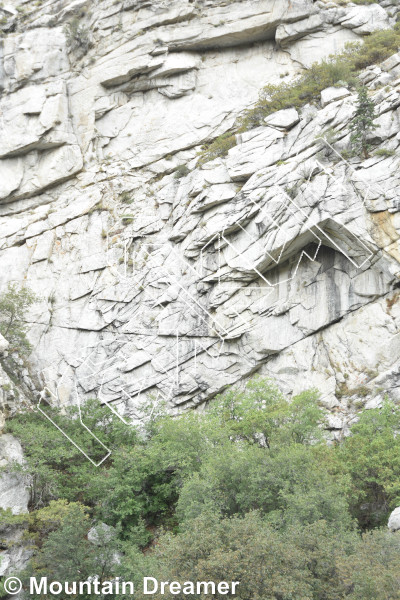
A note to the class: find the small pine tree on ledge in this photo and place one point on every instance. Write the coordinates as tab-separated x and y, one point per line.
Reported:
362	124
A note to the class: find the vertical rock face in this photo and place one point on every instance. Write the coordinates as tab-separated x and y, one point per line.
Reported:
14	496
14	488
159	275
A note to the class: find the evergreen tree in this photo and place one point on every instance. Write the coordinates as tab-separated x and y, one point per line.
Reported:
362	124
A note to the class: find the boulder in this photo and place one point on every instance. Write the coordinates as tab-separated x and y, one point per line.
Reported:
332	94
391	63
16	554
366	19
288	32
14	487
394	520
283	119
16	557
101	534
3	344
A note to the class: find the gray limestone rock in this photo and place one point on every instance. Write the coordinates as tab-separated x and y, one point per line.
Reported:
163	277
14	486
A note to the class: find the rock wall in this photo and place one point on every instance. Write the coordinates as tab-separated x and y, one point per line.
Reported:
14	496
159	276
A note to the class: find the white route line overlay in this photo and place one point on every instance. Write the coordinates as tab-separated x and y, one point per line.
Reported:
217	327
219	236
82	423
104	401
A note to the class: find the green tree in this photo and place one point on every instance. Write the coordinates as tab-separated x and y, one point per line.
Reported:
14	303
291	484
267	565
67	555
59	469
371	572
247	490
371	455
362	124
261	414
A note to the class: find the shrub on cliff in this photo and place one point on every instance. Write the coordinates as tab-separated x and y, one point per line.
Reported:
14	302
375	48
336	69
77	36
362	124
219	147
342	67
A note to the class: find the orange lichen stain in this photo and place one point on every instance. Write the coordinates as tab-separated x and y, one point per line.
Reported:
391	301
383	230
384	233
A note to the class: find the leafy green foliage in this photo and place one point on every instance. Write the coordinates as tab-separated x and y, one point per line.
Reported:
247	490
58	536
58	469
371	455
40	523
307	562
304	89
14	303
376	47
246	550
66	552
261	414
289	485
371	572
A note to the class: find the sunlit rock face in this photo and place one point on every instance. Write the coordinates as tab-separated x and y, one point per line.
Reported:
161	277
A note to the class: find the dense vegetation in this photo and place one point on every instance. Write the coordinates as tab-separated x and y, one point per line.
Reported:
14	302
247	490
338	69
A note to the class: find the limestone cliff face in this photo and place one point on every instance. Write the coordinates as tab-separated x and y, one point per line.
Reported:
160	276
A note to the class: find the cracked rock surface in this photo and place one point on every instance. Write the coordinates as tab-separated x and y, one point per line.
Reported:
160	276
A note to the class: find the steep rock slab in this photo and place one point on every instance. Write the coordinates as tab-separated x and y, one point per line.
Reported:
25	177
35	118
255	260
35	55
14	487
